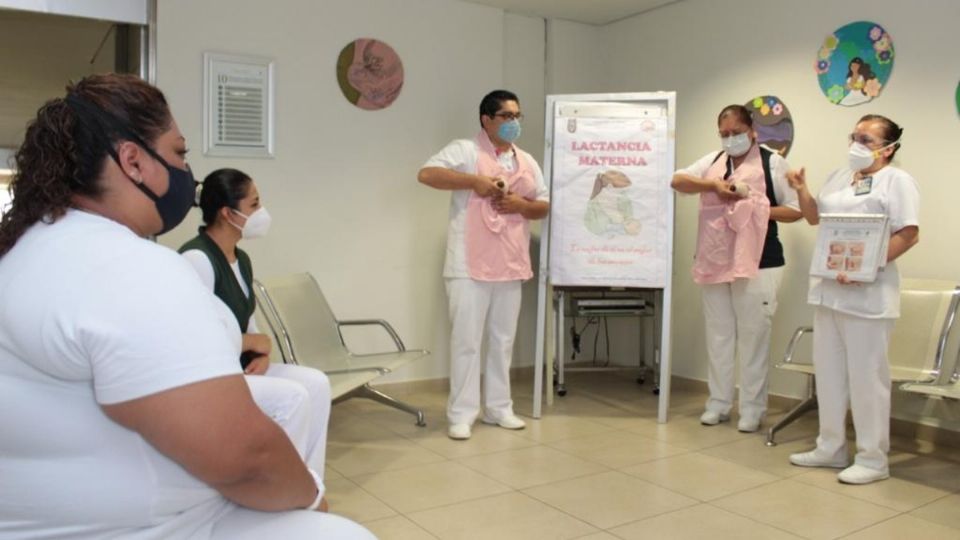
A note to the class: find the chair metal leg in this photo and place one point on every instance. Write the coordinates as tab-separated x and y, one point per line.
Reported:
368	392
805	406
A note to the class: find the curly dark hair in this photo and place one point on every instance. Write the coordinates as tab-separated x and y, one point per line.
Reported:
64	151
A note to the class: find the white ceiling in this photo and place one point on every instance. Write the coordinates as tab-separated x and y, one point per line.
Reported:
585	11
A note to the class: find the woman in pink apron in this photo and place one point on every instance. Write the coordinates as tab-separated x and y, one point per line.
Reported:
739	261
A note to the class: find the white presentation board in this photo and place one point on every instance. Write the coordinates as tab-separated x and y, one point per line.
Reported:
608	159
610	194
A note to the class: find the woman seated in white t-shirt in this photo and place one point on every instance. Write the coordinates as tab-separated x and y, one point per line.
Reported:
232	210
125	412
852	321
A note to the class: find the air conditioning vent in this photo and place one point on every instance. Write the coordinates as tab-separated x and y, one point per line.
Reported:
238	115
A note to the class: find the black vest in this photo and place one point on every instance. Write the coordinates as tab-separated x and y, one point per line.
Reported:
772	255
225	284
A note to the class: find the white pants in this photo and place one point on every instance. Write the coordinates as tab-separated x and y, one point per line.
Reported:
475	305
297	398
850	360
738	317
245	524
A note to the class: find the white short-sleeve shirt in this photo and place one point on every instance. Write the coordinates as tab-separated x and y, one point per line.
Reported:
785	195
893	193
461	155
94	315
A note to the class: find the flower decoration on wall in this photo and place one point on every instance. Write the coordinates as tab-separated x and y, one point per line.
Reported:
772	122
370	74
854	63
836	94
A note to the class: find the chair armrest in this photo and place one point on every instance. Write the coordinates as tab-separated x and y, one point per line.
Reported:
936	381
423	352
945	332
374	322
272	316
794	342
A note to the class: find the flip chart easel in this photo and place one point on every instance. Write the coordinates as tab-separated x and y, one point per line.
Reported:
608	159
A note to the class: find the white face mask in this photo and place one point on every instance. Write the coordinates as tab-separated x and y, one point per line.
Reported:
860	157
736	145
257	224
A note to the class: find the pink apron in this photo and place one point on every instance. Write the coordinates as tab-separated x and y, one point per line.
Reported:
498	245
731	234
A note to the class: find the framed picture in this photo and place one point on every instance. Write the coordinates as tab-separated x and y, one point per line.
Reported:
855	244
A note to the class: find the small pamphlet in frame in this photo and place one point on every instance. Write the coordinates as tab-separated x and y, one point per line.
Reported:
855	244
238	106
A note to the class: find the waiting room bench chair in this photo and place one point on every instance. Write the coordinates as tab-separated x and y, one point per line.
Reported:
945	386
310	335
928	310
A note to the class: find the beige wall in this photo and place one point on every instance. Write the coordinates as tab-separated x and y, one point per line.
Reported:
342	189
41	54
717	53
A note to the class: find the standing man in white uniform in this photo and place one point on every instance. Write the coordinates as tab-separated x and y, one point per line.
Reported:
852	322
739	300
497	189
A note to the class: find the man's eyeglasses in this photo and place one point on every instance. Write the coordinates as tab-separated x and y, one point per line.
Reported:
509	115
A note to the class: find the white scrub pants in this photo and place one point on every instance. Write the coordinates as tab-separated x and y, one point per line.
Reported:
850	360
475	306
245	524
738	317
297	398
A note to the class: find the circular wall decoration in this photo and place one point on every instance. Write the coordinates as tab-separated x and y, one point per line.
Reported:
957	97
369	73
854	63
772	122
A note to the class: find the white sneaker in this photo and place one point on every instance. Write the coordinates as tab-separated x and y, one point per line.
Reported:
710	418
748	425
507	422
815	459
459	432
859	474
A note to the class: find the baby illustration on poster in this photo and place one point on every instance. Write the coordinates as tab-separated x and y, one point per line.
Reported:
610	210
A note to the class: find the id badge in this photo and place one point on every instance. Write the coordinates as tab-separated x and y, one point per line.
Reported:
863	186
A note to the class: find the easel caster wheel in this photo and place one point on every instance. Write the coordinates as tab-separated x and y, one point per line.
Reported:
561	391
656	391
641	380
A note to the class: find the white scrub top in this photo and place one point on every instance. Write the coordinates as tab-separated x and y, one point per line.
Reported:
893	193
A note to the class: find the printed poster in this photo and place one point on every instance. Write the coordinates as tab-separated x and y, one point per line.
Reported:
855	244
610	202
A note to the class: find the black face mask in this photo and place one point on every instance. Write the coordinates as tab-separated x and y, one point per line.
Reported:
173	205
181	192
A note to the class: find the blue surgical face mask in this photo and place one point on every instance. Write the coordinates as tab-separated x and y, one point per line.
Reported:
509	131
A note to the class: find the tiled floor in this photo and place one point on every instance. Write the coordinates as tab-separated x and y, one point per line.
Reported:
597	466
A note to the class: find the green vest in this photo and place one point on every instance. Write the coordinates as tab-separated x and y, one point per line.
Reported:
225	284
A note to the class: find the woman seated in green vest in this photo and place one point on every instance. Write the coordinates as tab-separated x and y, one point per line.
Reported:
296	397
